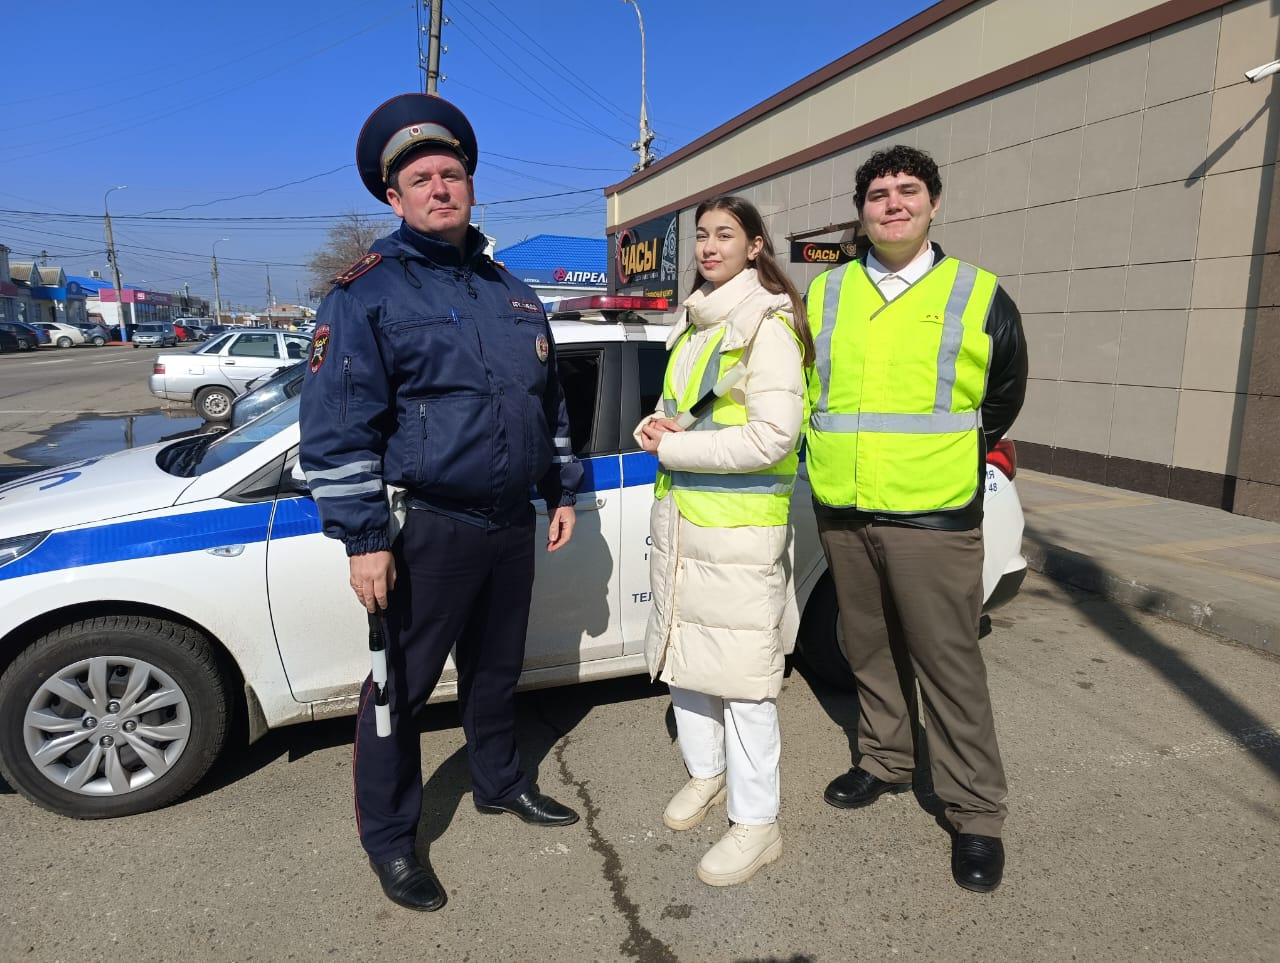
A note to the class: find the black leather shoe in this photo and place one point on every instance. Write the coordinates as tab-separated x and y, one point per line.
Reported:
977	862
533	807
407	882
857	788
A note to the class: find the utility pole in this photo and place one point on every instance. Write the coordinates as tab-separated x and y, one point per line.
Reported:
111	256
217	298
430	63
270	300
641	147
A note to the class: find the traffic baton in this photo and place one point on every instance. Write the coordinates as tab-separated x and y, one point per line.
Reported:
378	655
718	390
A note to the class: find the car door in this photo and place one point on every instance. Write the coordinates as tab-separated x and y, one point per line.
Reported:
647	364
248	355
577	590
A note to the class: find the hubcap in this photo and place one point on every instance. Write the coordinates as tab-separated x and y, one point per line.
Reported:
106	726
216	404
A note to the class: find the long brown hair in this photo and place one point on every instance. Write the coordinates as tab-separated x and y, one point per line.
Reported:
772	277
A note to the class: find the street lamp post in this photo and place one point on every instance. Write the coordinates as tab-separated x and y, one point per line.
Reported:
217	298
111	256
641	147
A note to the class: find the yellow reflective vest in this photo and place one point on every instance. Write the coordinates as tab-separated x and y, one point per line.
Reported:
897	388
720	500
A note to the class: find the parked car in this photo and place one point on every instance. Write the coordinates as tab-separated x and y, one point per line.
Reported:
208	331
60	335
265	392
121	674
211	376
8	341
94	333
155	334
190	329
26	337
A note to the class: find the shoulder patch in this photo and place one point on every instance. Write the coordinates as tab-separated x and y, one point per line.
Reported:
319	348
357	269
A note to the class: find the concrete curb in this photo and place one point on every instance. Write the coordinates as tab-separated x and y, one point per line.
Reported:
1216	616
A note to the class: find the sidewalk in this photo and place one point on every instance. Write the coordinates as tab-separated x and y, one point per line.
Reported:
1202	566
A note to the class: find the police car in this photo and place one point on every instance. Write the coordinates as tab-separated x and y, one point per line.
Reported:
130	643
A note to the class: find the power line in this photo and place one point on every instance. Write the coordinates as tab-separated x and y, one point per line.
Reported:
524	80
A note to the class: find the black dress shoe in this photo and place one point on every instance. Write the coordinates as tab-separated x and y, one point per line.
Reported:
857	788
977	862
533	807
407	882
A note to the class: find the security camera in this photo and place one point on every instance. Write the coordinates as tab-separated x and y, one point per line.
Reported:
1266	70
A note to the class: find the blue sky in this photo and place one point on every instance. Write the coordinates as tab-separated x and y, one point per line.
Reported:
227	114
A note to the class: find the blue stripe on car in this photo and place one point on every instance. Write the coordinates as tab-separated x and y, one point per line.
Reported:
246	524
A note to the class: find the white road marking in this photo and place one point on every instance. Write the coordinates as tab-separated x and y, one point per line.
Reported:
51	361
117	361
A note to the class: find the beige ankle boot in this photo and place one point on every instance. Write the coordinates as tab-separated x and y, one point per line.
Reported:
740	852
691	804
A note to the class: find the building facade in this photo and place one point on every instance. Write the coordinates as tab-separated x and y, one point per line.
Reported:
1109	159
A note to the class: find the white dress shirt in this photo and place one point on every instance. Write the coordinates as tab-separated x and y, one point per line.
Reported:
893	283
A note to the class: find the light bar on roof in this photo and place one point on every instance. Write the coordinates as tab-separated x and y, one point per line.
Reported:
611	302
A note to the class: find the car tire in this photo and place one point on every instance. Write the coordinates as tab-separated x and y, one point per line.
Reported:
818	641
83	677
24	345
99	341
214	404
64	342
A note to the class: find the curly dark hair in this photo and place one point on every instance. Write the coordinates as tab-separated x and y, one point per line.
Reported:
898	159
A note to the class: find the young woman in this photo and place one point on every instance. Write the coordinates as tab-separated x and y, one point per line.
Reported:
725	475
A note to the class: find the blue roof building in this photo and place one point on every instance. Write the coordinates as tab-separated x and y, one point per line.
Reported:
557	266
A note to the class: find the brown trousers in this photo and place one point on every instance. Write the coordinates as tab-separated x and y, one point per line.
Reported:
910	599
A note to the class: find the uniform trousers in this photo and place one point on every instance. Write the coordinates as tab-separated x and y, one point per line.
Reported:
910	599
736	734
455	583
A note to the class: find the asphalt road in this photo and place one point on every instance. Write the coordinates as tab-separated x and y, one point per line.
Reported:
1143	760
42	390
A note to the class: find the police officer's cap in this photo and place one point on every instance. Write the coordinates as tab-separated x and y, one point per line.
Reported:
404	123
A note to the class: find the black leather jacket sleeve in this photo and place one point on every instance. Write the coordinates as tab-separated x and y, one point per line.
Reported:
1007	373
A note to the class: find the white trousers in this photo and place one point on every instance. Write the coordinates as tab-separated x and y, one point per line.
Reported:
743	737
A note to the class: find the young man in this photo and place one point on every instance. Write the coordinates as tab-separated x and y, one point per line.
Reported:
433	370
921	368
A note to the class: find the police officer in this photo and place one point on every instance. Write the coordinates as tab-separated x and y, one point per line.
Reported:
921	367
433	370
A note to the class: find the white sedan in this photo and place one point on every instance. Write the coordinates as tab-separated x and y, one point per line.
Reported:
128	644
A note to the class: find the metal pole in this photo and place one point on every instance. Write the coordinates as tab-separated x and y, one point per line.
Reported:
217	298
641	147
433	45
111	256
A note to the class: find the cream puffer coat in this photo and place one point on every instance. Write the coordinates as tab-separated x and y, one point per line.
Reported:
719	593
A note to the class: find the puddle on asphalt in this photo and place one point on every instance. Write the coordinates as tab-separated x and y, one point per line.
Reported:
92	436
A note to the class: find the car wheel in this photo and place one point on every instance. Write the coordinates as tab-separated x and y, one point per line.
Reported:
112	716
64	342
214	404
24	345
820	636
99	341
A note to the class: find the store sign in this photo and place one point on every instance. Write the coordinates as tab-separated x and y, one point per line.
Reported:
561	275
821	252
645	258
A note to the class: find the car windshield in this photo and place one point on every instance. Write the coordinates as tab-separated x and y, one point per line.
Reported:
201	454
214	346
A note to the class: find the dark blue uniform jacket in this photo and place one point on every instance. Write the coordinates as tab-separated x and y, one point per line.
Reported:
434	371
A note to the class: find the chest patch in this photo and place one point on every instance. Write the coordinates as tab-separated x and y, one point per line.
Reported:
541	346
529	307
319	348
